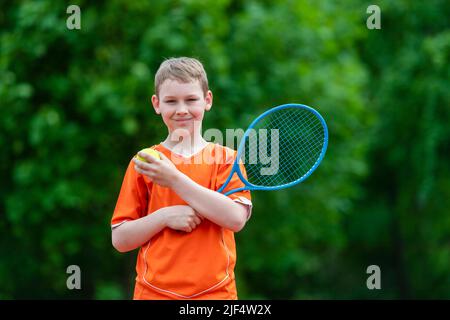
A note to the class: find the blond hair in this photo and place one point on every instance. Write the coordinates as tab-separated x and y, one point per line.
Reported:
182	69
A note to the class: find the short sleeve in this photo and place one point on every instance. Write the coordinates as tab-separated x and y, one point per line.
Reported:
133	198
242	197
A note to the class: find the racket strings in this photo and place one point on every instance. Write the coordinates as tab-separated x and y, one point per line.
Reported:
296	147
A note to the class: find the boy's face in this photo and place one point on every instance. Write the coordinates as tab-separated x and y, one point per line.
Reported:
181	105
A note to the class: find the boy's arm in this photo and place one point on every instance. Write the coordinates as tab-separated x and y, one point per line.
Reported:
210	204
134	233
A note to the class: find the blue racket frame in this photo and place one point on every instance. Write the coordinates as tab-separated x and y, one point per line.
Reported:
250	186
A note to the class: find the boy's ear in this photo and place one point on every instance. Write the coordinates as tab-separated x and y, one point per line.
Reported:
208	100
155	103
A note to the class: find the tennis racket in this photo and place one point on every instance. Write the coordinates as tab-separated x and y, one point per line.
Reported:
297	137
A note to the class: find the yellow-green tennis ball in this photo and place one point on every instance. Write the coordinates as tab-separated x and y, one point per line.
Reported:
151	152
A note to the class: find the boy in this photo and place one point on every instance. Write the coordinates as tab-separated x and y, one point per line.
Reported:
169	207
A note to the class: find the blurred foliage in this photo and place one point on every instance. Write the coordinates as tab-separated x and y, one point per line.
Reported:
74	108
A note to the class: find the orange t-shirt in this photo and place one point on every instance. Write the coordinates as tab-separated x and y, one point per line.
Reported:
178	265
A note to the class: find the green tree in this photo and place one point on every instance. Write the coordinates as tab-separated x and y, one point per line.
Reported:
403	217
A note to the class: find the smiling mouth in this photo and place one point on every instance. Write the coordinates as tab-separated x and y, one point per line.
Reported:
183	120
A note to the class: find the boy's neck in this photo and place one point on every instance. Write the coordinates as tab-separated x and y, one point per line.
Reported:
186	145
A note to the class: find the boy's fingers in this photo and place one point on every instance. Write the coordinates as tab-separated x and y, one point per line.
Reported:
144	171
138	162
142	164
197	220
138	170
199	215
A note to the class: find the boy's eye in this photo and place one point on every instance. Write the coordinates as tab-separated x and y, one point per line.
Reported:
170	101
192	99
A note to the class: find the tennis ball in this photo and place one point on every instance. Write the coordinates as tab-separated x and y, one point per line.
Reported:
149	151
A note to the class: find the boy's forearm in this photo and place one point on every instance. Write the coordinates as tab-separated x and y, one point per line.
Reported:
212	205
133	234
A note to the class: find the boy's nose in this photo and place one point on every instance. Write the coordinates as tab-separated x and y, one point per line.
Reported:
181	109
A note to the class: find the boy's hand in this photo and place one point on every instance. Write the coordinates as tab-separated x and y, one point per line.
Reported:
162	172
182	218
